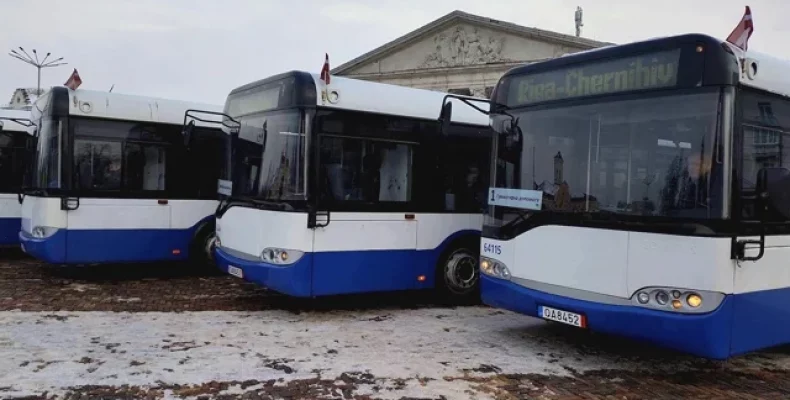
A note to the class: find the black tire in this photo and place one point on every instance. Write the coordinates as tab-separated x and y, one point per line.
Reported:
201	252
457	272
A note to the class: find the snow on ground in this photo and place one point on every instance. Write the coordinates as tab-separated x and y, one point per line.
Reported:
55	351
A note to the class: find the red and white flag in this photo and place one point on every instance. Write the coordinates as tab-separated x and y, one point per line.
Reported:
741	34
74	80
325	70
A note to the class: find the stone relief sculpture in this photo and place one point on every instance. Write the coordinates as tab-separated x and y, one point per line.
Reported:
459	47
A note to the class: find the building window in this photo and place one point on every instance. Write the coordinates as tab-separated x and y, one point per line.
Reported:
461	92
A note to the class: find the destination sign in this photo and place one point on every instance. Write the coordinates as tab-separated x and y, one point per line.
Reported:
254	102
644	72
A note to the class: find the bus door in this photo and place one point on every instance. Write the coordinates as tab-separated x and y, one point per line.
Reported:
369	241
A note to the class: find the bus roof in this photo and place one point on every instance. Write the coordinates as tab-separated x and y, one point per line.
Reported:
16	114
771	72
769	76
361	95
382	98
99	104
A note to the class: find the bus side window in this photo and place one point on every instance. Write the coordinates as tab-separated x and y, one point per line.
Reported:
366	170
765	130
464	167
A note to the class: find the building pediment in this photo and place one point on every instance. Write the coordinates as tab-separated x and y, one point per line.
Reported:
464	40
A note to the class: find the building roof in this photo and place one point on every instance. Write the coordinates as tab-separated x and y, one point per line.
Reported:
460	16
29	97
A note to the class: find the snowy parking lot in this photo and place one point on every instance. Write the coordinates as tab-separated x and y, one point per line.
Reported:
147	333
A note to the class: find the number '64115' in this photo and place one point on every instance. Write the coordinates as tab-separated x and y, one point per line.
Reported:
492	248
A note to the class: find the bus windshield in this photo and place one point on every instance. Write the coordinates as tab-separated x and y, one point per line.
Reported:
269	157
647	157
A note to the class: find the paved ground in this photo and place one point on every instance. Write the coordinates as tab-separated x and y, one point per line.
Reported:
624	370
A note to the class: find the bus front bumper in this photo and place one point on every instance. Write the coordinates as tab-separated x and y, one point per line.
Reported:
705	335
293	280
50	249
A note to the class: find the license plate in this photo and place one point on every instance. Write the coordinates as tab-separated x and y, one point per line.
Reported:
565	317
235	271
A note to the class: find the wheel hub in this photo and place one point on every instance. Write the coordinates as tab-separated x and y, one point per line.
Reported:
461	272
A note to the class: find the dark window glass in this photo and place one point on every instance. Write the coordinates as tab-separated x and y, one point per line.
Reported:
765	130
47	164
464	164
97	164
13	159
269	156
144	167
366	170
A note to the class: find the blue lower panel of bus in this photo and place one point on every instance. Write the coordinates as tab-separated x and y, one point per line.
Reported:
341	272
706	335
9	231
110	246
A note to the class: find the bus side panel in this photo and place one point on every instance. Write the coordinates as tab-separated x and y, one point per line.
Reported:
369	252
365	252
186	217
437	231
761	317
120	230
44	212
10	219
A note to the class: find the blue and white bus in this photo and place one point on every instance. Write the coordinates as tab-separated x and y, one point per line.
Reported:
16	146
113	180
350	188
642	190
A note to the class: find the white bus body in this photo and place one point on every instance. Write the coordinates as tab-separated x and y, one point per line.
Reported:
328	232
638	208
113	181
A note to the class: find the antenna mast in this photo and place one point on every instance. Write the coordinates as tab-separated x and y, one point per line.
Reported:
579	23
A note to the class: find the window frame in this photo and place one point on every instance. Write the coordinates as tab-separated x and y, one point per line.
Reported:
165	136
749	97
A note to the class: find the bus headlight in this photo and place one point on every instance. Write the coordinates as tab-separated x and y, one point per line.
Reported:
494	268
677	300
274	255
42	232
693	300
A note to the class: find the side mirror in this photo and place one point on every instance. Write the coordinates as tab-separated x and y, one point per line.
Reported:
773	191
445	117
511	135
1	126
187	132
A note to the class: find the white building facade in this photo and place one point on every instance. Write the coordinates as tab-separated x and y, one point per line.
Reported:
460	53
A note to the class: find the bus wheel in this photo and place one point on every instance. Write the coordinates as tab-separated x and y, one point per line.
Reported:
458	276
202	252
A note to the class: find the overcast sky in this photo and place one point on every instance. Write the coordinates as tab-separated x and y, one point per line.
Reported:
199	50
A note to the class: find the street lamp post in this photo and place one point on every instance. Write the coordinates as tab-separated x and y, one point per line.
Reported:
34	61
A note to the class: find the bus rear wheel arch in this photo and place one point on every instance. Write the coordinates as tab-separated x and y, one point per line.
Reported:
457	272
202	247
